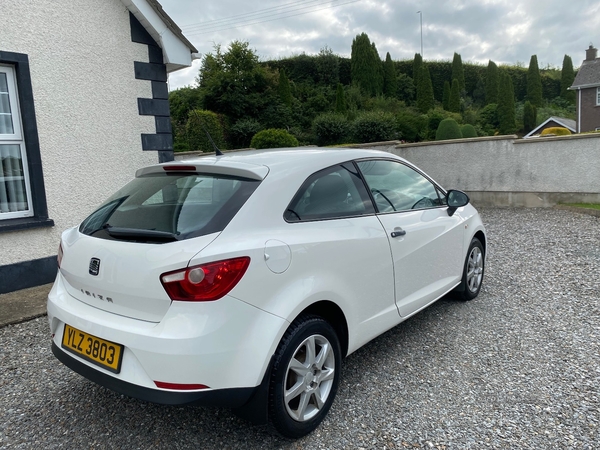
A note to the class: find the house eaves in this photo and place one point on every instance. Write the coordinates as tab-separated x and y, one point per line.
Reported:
177	50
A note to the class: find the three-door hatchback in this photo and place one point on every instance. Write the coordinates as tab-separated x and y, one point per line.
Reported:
242	280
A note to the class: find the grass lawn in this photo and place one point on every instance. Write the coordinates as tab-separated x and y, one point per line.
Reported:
585	205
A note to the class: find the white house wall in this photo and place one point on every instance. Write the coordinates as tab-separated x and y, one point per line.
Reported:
81	60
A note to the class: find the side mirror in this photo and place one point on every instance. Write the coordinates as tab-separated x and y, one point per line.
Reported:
456	199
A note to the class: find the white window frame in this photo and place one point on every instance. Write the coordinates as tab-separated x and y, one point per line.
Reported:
597	96
16	138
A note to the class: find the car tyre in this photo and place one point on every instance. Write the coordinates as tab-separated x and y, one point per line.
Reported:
474	268
304	377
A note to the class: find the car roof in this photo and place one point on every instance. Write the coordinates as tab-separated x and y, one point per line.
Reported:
257	164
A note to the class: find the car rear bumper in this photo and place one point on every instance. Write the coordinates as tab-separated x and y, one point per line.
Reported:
227	398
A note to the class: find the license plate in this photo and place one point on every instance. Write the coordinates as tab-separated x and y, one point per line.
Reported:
103	353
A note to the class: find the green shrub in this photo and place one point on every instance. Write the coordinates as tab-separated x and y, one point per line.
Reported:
330	129
410	124
468	131
374	127
240	134
448	129
435	116
273	138
556	131
198	123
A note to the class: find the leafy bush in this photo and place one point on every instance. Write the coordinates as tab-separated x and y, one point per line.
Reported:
331	129
199	123
240	134
468	131
556	131
374	127
488	118
448	129
411	124
435	117
273	138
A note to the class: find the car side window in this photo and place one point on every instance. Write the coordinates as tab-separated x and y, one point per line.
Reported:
331	193
397	187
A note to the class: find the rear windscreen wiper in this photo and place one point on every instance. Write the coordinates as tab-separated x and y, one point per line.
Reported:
134	233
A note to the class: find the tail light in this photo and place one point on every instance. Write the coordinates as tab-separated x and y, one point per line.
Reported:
206	282
59	257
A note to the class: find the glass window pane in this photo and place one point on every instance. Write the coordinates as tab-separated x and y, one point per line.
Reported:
4	103
181	206
332	193
6	125
3	83
13	194
396	187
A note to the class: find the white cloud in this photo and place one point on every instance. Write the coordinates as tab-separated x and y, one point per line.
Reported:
505	31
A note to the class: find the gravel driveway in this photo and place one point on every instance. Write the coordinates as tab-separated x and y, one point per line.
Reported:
519	367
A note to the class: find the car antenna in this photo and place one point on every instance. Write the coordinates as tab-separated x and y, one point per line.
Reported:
217	151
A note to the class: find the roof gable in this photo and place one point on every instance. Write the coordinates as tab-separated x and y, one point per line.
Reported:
177	50
570	124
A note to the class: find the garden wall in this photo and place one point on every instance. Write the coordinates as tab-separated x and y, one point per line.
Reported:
505	171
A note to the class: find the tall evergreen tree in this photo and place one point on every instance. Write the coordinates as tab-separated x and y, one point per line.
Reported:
377	69
285	93
458	72
506	105
446	96
491	83
529	118
417	65
340	100
454	102
534	83
390	80
425	100
479	93
566	79
365	65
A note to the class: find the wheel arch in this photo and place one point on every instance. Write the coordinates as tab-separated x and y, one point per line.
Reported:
481	236
334	315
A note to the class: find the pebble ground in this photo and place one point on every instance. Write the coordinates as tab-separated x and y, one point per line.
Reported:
516	368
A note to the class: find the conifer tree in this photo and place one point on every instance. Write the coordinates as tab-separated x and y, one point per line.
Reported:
491	83
506	105
377	70
458	72
417	65
446	96
425	100
390	80
340	100
365	65
285	93
566	79
479	93
529	118
454	102
534	83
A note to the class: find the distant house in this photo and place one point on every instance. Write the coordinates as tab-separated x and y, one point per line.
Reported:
83	104
587	87
552	122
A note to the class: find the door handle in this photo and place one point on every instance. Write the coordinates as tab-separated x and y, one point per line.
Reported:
398	232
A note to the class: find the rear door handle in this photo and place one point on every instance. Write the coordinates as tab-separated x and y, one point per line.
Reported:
398	232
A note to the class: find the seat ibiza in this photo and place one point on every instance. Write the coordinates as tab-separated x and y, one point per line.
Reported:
242	280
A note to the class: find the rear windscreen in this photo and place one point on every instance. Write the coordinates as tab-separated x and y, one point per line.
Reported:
169	207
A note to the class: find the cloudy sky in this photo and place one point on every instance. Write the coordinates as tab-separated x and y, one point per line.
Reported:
505	31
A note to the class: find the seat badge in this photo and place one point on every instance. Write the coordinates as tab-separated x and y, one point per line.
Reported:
94	266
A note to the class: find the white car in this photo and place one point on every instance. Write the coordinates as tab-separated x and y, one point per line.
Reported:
243	280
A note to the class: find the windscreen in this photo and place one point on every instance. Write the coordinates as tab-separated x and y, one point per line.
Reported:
169	207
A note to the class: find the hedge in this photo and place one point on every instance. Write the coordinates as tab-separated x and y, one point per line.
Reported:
273	138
